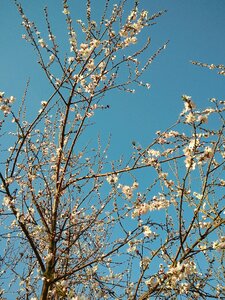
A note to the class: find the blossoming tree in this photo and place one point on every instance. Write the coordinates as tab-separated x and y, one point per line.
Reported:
75	227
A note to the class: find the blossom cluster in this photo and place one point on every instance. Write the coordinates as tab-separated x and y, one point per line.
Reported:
193	155
147	231
111	179
192	115
134	25
181	271
220	244
6	103
86	49
157	203
128	190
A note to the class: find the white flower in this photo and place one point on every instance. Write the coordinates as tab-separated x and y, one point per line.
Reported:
219	245
44	103
197	195
111	179
52	57
147	231
190	118
89	114
188	103
12	99
66	11
135	185
95	43
202	119
70	59
42	43
208	152
158	203
152	152
150	281
51	37
140	210
144	262
7	201
127	191
222	182
5	108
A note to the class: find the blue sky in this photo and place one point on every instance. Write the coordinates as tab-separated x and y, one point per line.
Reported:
196	32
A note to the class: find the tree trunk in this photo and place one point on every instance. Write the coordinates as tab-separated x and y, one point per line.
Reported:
45	288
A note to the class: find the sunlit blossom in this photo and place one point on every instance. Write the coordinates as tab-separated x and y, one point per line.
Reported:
111	179
147	231
42	43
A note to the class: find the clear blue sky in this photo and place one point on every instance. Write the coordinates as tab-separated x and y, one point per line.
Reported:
196	32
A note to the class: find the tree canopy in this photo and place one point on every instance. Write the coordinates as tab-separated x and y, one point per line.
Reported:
77	225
